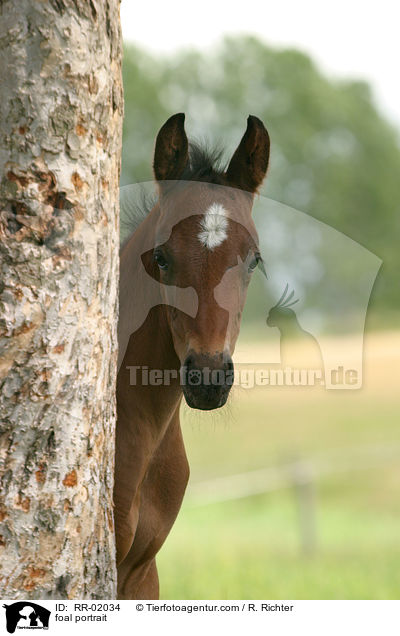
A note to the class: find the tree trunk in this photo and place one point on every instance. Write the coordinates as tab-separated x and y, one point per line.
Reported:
60	140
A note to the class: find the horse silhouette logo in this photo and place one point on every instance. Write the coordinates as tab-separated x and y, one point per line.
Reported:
26	615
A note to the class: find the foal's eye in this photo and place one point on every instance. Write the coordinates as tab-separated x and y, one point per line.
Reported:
253	264
161	261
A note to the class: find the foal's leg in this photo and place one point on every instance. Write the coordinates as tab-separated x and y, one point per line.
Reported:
160	499
127	481
149	587
140	582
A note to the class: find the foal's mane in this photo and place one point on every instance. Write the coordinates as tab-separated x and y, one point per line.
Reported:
205	165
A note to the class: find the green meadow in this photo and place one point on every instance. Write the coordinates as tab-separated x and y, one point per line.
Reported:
253	547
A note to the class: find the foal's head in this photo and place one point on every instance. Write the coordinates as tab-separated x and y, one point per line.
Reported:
212	247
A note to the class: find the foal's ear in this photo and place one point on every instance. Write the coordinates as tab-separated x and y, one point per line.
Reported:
171	152
249	163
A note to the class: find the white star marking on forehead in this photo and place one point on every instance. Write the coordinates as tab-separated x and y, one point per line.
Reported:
214	225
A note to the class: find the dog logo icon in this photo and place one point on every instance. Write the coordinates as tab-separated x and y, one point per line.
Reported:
26	615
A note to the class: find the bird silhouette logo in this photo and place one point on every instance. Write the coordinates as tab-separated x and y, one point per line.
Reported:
298	347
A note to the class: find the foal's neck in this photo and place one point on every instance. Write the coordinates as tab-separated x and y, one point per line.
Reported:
152	367
148	380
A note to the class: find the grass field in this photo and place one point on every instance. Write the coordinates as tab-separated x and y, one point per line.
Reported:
251	547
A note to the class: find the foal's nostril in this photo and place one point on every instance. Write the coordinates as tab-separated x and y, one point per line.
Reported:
228	365
189	362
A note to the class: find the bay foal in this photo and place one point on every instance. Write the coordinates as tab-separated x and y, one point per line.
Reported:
193	256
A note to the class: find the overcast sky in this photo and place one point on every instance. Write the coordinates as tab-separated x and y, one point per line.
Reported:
347	38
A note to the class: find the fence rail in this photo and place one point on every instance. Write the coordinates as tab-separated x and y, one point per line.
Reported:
300	476
340	460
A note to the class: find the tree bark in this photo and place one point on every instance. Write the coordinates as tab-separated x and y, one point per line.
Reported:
60	141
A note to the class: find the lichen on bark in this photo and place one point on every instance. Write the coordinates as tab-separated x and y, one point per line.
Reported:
60	140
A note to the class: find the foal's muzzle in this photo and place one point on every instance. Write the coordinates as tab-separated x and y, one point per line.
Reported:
206	380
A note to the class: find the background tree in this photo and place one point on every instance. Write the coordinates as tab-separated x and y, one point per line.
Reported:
60	126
